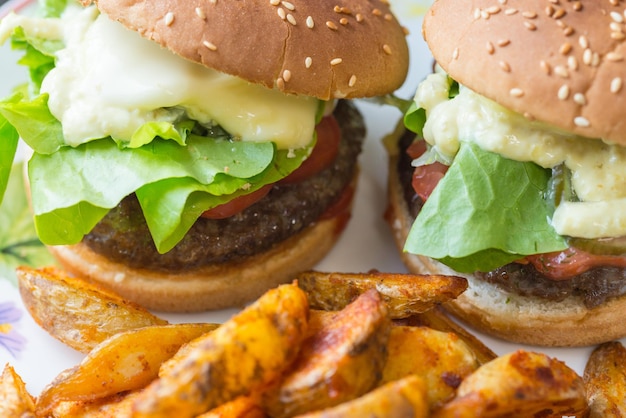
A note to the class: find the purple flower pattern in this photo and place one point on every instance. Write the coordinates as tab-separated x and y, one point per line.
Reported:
10	339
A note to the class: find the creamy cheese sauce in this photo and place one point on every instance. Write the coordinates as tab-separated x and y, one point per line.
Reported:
598	169
109	81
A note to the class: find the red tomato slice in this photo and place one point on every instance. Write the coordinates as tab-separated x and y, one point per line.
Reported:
237	204
324	153
425	177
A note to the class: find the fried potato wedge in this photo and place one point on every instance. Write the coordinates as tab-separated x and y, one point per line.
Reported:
605	381
118	406
437	319
248	351
519	384
341	361
126	361
404	294
402	398
76	312
15	401
241	407
441	359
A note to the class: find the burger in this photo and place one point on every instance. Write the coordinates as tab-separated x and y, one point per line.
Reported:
512	172
190	155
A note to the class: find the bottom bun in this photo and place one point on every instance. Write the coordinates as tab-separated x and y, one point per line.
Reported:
505	315
213	287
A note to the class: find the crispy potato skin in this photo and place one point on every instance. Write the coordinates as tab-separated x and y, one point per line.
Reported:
519	384
15	401
437	319
126	361
441	359
247	352
404	294
605	381
341	361
76	312
401	398
241	407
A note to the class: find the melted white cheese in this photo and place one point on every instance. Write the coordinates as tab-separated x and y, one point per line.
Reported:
109	81
598	169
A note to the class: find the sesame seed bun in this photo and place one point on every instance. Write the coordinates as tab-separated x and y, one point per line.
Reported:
491	310
212	287
313	48
558	62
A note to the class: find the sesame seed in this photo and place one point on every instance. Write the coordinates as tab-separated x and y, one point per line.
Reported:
336	61
583	41
291	19
572	63
516	92
545	67
476	14
618	36
615	26
343	21
387	49
504	42
280	83
561	71
565	48
568	30
559	14
490	48
309	22
274	2
582	122
352	81
455	53
580	99
377	12
505	66
616	85
168	18
281	13
359	17
331	25
577	6
308	61
563	92
388	17
484	14
288	5
493	10
587	56
595	59
200	13
286	76
549	10
614	56
530	25
337	9
617	17
529	15
209	45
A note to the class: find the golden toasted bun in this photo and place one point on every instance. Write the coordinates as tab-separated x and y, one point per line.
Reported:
322	48
213	287
558	62
505	315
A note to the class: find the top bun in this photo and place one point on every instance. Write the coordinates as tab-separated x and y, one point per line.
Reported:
560	62
322	48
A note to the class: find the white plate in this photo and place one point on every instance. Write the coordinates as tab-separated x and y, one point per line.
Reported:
366	244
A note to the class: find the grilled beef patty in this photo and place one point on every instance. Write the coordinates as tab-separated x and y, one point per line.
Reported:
594	286
287	209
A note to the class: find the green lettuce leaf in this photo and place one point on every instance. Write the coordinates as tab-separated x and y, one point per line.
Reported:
8	146
487	211
19	244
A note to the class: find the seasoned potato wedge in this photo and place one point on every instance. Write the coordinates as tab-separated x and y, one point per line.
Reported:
437	319
126	361
341	361
441	359
248	351
114	406
241	407
519	384
404	294
401	398
15	401
76	312
605	381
